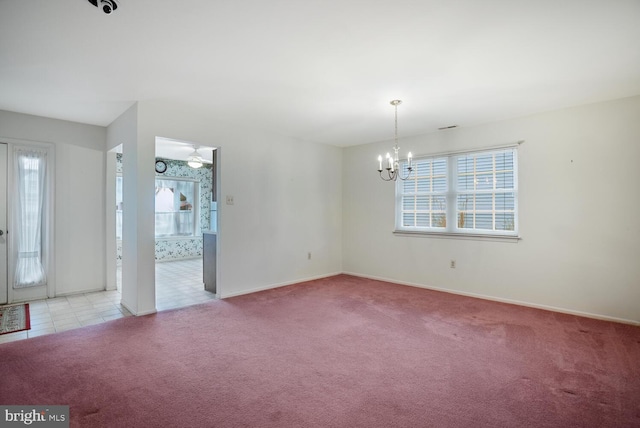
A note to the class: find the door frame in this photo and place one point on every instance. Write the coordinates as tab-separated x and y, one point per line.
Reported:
4	242
48	235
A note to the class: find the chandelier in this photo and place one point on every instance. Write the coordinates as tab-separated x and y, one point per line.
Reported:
392	164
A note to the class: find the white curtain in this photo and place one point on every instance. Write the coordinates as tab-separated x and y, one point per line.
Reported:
165	225
30	170
174	208
185	213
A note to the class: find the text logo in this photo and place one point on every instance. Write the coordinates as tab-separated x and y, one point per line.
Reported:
34	416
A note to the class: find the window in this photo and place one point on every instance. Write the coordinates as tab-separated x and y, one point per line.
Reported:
474	193
30	186
176	207
424	195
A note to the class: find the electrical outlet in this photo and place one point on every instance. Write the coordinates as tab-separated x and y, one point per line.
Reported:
229	199
309	255
452	265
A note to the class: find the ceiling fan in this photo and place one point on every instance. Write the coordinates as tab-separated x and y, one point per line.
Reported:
195	160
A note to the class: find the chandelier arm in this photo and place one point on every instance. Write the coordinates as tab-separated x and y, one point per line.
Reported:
390	176
410	169
407	177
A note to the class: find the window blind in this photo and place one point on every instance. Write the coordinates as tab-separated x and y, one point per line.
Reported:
464	193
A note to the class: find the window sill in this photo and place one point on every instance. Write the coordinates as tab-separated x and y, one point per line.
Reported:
171	238
447	235
178	237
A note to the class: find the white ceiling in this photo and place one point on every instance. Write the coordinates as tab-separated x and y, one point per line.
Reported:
321	71
181	150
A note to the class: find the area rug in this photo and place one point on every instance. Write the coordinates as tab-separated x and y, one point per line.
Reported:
14	318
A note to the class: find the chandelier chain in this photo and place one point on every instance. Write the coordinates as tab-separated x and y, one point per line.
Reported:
396	130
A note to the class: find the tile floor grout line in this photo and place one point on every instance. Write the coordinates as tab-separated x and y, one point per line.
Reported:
176	286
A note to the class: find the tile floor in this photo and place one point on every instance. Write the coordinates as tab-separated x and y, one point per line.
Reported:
178	284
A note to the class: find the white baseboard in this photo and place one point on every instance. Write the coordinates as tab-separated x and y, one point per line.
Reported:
271	286
75	293
502	300
139	314
179	259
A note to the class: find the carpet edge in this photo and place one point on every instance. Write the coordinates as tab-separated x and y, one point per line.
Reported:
502	300
278	285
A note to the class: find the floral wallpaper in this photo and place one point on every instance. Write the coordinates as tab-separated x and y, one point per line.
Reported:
169	249
172	248
182	247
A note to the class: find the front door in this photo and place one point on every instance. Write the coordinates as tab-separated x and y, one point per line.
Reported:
3	223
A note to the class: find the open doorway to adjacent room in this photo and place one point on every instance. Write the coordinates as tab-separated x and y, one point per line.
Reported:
185	213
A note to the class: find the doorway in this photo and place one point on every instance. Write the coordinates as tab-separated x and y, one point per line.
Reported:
185	206
185	198
26	258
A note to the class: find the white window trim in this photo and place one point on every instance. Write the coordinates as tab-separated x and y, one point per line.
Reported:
448	235
451	214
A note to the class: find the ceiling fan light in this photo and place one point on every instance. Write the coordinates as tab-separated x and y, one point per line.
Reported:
194	160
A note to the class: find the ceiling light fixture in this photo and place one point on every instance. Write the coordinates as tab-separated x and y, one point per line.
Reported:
194	160
108	6
393	163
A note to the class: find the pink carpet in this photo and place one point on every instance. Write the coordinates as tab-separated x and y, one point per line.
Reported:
337	352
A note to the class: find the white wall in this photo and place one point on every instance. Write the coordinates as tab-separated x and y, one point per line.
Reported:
138	261
576	253
578	203
79	196
123	129
45	130
79	220
287	198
